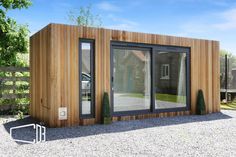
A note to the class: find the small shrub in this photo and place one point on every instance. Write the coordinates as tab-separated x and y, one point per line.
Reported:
201	106
20	115
106	112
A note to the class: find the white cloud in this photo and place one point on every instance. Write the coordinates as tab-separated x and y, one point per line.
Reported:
122	23
211	22
123	20
194	27
229	20
107	6
222	3
219	26
122	26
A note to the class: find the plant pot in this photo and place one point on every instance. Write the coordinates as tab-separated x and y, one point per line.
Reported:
107	120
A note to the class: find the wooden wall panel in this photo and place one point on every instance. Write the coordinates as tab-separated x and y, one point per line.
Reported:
39	74
216	76
55	79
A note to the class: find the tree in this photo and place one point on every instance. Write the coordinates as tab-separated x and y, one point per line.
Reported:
85	17
13	37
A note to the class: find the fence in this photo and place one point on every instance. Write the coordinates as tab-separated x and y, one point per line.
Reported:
228	77
14	89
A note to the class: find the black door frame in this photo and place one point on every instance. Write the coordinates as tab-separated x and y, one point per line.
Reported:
153	49
132	112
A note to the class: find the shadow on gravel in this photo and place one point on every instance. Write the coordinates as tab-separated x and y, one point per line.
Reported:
120	126
27	134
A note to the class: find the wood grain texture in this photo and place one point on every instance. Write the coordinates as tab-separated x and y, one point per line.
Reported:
54	71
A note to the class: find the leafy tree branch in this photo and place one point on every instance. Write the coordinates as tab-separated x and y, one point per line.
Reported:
85	17
13	37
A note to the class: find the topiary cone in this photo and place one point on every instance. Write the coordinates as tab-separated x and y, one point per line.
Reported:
106	112
201	106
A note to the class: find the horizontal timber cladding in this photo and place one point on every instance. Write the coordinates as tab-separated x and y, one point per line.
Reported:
54	67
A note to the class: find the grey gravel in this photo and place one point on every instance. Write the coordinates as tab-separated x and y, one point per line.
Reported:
208	135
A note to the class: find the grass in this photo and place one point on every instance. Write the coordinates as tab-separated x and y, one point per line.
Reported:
161	97
229	106
171	98
174	98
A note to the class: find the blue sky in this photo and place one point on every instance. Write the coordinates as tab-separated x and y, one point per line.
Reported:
208	19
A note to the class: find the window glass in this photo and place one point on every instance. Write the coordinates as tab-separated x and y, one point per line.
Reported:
170	80
132	79
86	74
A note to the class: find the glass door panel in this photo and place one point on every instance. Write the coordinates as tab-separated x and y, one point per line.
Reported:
170	80
131	79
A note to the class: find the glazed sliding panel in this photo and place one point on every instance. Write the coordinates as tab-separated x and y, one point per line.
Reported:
131	79
170	80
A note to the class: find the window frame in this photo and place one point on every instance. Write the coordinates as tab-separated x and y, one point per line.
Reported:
154	48
188	81
92	79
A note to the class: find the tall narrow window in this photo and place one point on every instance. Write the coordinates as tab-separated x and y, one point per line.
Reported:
86	66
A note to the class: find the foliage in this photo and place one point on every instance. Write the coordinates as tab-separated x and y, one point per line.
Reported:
106	106
201	106
20	115
229	105
85	17
15	4
13	37
19	105
106	112
14	47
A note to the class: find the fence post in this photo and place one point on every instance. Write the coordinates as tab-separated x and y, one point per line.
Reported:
226	78
14	85
11	90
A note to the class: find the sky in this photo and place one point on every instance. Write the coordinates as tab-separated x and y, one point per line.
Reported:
205	19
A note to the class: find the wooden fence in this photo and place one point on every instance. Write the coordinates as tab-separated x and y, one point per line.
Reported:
14	88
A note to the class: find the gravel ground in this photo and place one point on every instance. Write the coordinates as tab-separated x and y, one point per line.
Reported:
5	119
209	135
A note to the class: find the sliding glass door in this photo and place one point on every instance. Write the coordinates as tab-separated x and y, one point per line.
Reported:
149	78
170	79
131	79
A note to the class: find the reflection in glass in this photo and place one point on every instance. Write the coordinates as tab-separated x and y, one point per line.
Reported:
170	80
86	78
131	79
